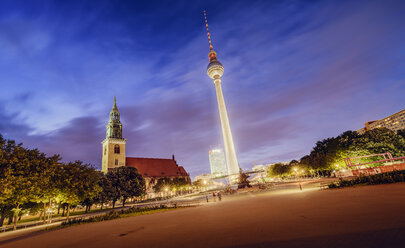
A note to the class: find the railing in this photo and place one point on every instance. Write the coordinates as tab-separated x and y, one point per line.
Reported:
349	162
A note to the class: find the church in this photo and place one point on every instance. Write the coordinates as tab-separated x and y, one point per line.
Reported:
151	169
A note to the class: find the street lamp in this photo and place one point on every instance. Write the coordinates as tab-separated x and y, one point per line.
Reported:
296	173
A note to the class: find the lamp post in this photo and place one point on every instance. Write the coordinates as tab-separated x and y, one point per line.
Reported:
296	173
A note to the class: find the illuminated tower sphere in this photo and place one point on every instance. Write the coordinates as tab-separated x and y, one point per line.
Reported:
215	70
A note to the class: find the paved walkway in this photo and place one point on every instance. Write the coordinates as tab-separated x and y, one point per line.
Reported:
370	216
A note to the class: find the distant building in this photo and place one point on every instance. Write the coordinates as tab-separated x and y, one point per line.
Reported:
203	177
394	122
217	162
151	169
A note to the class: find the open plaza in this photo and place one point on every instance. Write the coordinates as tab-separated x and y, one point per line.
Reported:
364	216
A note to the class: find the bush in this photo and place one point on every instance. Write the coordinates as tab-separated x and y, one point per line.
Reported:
111	215
383	178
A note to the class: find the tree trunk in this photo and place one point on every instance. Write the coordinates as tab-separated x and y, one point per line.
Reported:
114	203
45	208
2	217
40	215
10	220
58	208
123	201
49	214
68	211
16	217
101	206
63	211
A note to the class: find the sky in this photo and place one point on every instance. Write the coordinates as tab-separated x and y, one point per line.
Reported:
295	72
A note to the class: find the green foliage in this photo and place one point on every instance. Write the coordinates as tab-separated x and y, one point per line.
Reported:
383	178
175	184
401	133
125	182
280	169
329	154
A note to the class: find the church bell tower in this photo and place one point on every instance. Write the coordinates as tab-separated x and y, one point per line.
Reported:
113	144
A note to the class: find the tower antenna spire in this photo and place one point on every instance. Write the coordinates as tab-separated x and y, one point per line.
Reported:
208	31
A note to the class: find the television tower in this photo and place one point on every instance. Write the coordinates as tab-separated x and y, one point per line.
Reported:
215	70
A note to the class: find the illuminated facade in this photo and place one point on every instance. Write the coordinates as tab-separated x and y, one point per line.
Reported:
217	162
215	70
393	122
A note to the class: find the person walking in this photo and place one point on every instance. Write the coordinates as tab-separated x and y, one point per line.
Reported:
219	196
214	196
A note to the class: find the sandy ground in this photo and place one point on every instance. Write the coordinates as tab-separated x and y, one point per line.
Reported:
368	216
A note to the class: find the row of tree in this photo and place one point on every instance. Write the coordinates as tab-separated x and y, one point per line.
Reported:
329	154
177	185
32	182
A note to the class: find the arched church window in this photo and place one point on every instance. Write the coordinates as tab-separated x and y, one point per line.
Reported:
117	149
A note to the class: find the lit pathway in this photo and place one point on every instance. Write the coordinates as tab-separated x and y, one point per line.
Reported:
371	216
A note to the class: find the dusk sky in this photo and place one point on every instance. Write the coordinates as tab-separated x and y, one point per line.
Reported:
295	72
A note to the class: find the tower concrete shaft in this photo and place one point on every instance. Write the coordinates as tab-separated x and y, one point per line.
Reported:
230	154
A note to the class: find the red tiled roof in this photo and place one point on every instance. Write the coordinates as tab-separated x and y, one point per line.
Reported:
156	167
183	171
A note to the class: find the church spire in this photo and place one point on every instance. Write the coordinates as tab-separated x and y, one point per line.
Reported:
114	127
115	104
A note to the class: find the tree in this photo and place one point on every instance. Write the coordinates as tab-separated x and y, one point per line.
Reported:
77	181
329	154
104	196
45	176
198	184
179	184
280	169
125	182
17	167
401	133
162	184
132	183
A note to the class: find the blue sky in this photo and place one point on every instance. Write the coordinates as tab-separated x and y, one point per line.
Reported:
295	72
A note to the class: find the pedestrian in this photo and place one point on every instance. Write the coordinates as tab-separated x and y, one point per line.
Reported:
214	196
219	196
206	197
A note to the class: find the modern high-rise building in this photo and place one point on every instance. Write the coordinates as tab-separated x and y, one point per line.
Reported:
217	162
215	70
394	122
